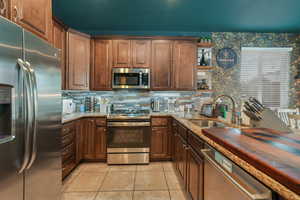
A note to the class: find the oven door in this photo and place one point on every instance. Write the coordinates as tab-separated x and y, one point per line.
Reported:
128	137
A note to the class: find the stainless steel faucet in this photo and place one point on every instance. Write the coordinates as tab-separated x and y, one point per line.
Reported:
233	117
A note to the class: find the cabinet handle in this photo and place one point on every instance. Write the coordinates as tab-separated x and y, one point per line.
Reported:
186	147
16	14
66	130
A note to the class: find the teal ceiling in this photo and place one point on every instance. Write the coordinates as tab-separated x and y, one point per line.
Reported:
178	17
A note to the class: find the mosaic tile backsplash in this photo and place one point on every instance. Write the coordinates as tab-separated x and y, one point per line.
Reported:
228	81
142	99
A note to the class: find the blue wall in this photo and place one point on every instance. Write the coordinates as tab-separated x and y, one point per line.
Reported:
179	17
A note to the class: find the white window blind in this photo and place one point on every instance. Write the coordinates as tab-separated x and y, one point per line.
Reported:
265	75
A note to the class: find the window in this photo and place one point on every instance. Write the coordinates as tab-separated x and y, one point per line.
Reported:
265	75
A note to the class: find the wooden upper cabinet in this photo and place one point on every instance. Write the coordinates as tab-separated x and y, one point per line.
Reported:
59	41
141	53
101	64
121	53
78	58
34	15
5	8
184	65
161	65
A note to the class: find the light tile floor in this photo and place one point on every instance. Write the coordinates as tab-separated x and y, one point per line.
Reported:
98	181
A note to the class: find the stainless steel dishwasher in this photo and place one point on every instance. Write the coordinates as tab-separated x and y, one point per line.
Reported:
225	180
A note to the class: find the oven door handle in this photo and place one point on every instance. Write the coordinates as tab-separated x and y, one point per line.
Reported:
128	124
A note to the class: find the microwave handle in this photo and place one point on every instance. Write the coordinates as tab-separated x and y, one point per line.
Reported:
141	79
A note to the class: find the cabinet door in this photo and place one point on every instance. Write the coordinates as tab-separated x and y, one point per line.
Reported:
100	143
184	65
122	53
141	53
101	66
195	175
35	16
176	151
159	143
161	65
59	41
89	139
182	160
80	137
78	58
4	8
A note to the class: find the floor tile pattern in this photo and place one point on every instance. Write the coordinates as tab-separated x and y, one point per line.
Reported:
98	181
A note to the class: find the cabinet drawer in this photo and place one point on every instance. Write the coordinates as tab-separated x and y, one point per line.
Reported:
68	152
100	121
68	166
68	139
67	128
196	143
156	121
160	130
182	131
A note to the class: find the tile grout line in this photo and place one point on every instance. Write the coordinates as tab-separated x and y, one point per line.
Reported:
135	174
166	182
106	174
73	179
98	192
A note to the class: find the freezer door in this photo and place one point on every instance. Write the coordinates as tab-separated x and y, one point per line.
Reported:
11	129
43	174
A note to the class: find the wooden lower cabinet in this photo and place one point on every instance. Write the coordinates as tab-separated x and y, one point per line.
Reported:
159	143
68	146
100	143
187	161
182	159
89	138
160	148
79	140
94	140
195	175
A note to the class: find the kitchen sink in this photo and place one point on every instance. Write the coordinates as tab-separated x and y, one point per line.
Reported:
204	123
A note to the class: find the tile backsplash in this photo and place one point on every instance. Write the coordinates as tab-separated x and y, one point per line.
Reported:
141	99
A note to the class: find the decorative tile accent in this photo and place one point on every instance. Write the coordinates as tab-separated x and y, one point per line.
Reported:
227	81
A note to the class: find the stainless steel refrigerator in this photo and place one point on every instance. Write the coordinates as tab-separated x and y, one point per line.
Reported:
30	116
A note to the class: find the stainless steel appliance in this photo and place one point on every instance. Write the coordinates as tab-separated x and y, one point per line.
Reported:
128	140
229	180
155	105
30	113
130	78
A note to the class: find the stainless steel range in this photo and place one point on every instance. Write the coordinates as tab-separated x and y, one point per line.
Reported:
128	140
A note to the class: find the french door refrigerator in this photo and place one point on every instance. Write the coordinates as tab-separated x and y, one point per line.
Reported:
30	116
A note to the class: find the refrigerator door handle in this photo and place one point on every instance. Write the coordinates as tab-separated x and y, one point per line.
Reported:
34	114
27	107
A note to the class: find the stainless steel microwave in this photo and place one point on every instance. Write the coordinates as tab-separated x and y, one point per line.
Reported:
131	78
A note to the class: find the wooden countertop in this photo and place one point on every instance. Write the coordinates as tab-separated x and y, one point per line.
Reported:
274	153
